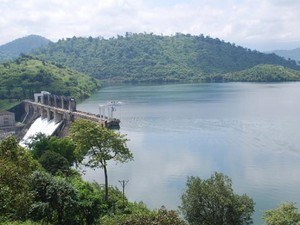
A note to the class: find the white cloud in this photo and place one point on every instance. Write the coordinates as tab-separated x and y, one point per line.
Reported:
246	22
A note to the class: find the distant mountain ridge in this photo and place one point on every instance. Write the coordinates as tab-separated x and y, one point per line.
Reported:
293	54
23	45
156	58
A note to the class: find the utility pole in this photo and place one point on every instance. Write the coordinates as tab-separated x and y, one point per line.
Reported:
123	184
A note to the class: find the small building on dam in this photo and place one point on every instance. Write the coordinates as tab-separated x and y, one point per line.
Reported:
7	120
7	124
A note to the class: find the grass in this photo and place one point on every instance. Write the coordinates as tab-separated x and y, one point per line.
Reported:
6	104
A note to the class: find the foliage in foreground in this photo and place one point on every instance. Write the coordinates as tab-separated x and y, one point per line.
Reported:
30	196
56	155
26	192
17	166
27	222
156	217
61	201
213	202
54	200
285	214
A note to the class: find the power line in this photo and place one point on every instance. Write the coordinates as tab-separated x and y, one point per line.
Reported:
123	184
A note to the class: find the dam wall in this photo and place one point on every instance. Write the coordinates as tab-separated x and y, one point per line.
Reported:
52	114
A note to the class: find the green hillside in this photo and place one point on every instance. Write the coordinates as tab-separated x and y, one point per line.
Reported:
148	57
264	73
26	75
23	45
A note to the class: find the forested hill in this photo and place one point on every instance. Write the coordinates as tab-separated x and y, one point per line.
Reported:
263	73
23	45
148	57
26	75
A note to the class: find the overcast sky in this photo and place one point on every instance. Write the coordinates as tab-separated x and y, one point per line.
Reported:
256	24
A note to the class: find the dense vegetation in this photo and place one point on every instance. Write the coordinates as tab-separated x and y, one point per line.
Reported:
20	78
35	186
263	73
213	202
23	45
148	57
35	189
286	213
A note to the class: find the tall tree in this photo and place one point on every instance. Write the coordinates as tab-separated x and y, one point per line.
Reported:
212	202
99	145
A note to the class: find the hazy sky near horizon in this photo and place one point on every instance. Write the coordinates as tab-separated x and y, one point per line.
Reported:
256	24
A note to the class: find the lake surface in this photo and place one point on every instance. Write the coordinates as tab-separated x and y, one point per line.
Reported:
248	131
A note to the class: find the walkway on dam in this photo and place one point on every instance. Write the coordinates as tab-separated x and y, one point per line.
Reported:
70	114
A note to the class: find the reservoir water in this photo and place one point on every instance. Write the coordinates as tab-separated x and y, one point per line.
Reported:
248	131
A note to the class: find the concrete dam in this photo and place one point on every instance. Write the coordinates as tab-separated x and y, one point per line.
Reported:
49	114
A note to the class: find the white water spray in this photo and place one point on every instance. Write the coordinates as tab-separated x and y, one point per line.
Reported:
39	126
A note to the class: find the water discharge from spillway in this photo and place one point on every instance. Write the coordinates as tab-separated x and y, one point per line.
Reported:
40	126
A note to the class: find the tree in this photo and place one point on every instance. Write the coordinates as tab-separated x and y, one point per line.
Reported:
55	200
212	202
38	145
65	201
56	155
99	145
41	143
285	214
156	217
54	163
17	165
90	200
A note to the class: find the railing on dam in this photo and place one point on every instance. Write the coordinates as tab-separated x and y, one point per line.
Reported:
60	108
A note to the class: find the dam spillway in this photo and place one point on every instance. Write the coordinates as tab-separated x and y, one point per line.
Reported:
58	108
42	126
49	114
58	114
